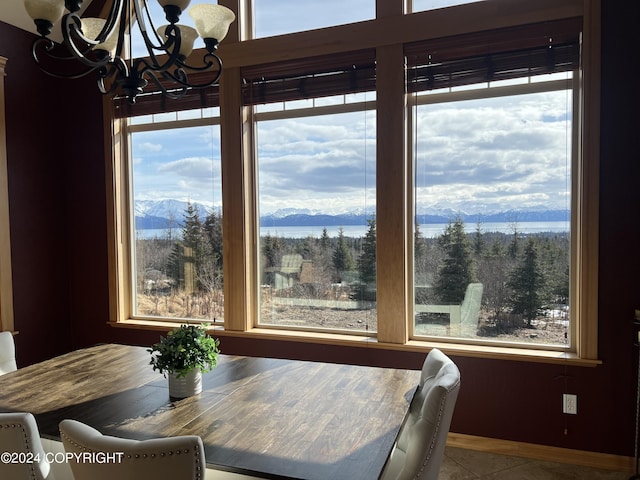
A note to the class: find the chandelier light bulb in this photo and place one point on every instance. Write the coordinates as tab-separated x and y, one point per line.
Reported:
44	13
91	28
188	36
212	21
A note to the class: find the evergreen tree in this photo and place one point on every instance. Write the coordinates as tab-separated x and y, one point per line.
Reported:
175	265
367	259
478	240
514	246
325	241
323	263
197	249
456	271
492	271
419	245
527	284
192	229
342	259
213	231
307	247
271	247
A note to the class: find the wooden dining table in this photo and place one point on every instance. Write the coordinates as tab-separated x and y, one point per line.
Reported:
268	417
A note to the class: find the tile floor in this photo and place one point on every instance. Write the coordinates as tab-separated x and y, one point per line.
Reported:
460	464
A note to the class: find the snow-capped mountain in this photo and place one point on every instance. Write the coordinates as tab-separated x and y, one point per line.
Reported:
169	213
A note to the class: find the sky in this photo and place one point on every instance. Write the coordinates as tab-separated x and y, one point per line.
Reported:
473	156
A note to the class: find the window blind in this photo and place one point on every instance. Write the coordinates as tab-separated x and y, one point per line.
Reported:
494	55
350	72
477	57
153	101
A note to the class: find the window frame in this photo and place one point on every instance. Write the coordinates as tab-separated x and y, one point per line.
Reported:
6	288
543	86
131	129
361	106
394	240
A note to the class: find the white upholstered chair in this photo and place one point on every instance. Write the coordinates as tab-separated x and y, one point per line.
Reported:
19	435
419	448
169	458
7	353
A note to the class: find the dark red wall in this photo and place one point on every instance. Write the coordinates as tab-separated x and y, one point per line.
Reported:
58	220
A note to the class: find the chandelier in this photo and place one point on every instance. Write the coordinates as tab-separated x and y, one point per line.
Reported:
104	46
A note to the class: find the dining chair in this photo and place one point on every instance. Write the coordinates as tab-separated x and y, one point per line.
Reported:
419	447
7	353
23	455
102	457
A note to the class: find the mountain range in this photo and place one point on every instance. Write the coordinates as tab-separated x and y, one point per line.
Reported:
163	214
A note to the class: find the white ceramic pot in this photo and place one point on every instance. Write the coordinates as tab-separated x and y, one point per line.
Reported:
182	387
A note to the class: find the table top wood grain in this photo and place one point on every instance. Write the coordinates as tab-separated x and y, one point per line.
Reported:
279	418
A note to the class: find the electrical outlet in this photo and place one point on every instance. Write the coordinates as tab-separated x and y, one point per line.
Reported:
570	403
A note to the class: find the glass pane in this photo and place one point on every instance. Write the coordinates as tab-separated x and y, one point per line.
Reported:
317	221
492	202
288	16
177	202
421	5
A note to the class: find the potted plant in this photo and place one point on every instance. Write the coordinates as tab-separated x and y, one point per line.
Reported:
183	356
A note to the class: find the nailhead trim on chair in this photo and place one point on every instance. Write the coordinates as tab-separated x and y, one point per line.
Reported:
196	453
32	472
432	445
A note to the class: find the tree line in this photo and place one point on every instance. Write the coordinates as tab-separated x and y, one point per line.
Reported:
521	274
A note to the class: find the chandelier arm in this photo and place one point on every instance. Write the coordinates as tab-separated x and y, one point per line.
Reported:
124	13
73	30
109	71
143	65
117	73
115	14
72	23
47	46
143	15
208	61
174	94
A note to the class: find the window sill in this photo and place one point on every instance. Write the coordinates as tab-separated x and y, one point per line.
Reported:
339	339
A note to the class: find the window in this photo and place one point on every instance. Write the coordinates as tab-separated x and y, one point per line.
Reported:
493	205
315	142
177	214
317	220
425	121
6	292
422	5
300	15
492	194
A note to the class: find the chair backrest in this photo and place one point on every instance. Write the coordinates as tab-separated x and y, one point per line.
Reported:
20	439
419	448
7	353
102	457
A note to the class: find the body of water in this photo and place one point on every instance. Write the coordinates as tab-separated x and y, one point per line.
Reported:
428	230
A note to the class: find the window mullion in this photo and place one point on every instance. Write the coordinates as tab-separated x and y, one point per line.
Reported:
391	205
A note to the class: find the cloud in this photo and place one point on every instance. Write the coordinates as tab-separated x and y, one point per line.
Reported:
149	147
193	167
475	155
510	152
316	160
